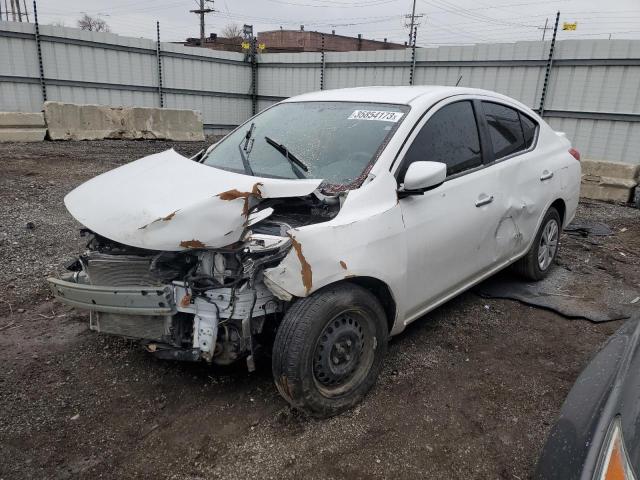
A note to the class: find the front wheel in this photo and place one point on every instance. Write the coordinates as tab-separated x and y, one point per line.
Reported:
535	265
329	348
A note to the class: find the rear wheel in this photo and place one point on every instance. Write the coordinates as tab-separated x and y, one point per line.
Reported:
329	349
536	264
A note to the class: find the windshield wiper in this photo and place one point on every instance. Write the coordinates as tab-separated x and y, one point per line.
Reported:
289	156
245	149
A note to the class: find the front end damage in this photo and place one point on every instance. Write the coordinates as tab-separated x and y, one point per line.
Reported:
208	304
183	273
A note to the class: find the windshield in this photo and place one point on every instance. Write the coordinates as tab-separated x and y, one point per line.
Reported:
334	141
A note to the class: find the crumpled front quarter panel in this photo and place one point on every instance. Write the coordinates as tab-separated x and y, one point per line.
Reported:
365	239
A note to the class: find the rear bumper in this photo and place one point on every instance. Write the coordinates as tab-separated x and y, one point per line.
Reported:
155	301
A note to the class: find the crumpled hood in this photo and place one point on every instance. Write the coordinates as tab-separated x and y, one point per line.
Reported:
168	202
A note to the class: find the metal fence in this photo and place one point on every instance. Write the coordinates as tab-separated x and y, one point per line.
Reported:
108	69
593	93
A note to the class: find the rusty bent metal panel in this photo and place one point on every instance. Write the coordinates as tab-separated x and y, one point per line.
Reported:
235	194
179	203
305	269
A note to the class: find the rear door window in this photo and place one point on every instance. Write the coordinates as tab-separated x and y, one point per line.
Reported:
504	128
511	130
451	137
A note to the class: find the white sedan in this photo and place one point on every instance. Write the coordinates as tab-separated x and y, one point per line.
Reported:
319	229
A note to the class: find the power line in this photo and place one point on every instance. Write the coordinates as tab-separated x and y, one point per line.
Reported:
202	11
338	5
413	18
475	25
464	34
468	14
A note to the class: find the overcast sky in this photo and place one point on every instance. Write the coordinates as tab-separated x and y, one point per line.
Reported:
444	21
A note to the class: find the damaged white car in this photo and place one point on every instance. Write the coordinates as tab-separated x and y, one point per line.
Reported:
320	228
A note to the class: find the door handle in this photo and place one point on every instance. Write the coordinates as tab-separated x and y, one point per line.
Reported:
484	200
546	175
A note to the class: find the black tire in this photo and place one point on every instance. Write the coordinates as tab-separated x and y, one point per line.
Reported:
636	197
329	349
530	266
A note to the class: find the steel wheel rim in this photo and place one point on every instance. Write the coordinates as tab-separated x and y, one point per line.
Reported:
343	353
548	245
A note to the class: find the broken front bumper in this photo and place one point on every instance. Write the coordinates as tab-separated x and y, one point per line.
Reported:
123	300
134	312
157	313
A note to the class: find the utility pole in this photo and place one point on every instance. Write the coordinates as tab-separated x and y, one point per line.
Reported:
413	18
411	22
545	28
201	11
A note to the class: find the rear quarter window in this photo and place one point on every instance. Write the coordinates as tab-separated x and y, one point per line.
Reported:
505	129
529	129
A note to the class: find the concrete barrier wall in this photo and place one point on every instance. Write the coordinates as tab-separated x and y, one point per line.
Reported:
69	121
21	127
611	181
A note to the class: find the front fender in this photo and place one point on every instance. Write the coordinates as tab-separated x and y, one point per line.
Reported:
365	239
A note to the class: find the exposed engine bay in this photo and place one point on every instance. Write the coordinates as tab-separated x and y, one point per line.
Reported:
212	303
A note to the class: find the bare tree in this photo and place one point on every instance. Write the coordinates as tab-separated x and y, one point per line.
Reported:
232	30
93	24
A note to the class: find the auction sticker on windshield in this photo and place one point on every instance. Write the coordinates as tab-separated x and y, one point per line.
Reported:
379	115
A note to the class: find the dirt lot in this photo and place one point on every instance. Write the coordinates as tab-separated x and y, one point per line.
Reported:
469	392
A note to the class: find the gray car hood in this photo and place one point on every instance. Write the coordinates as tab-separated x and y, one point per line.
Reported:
168	202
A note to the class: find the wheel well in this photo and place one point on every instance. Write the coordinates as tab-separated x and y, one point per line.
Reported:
560	206
382	292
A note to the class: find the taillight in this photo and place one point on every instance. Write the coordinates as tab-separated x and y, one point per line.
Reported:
574	153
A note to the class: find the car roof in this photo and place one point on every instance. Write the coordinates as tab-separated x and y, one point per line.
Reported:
404	95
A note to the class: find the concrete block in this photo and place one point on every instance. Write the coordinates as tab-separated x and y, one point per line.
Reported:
603	168
22	127
610	181
69	121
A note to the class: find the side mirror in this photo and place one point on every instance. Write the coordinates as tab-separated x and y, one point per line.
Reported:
422	176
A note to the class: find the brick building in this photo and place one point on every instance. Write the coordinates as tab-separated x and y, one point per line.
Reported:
276	41
310	41
215	42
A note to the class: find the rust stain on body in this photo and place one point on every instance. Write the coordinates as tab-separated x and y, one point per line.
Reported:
305	270
161	219
186	300
343	265
170	216
192	244
234	194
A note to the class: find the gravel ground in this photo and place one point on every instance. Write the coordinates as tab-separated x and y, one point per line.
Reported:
469	392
